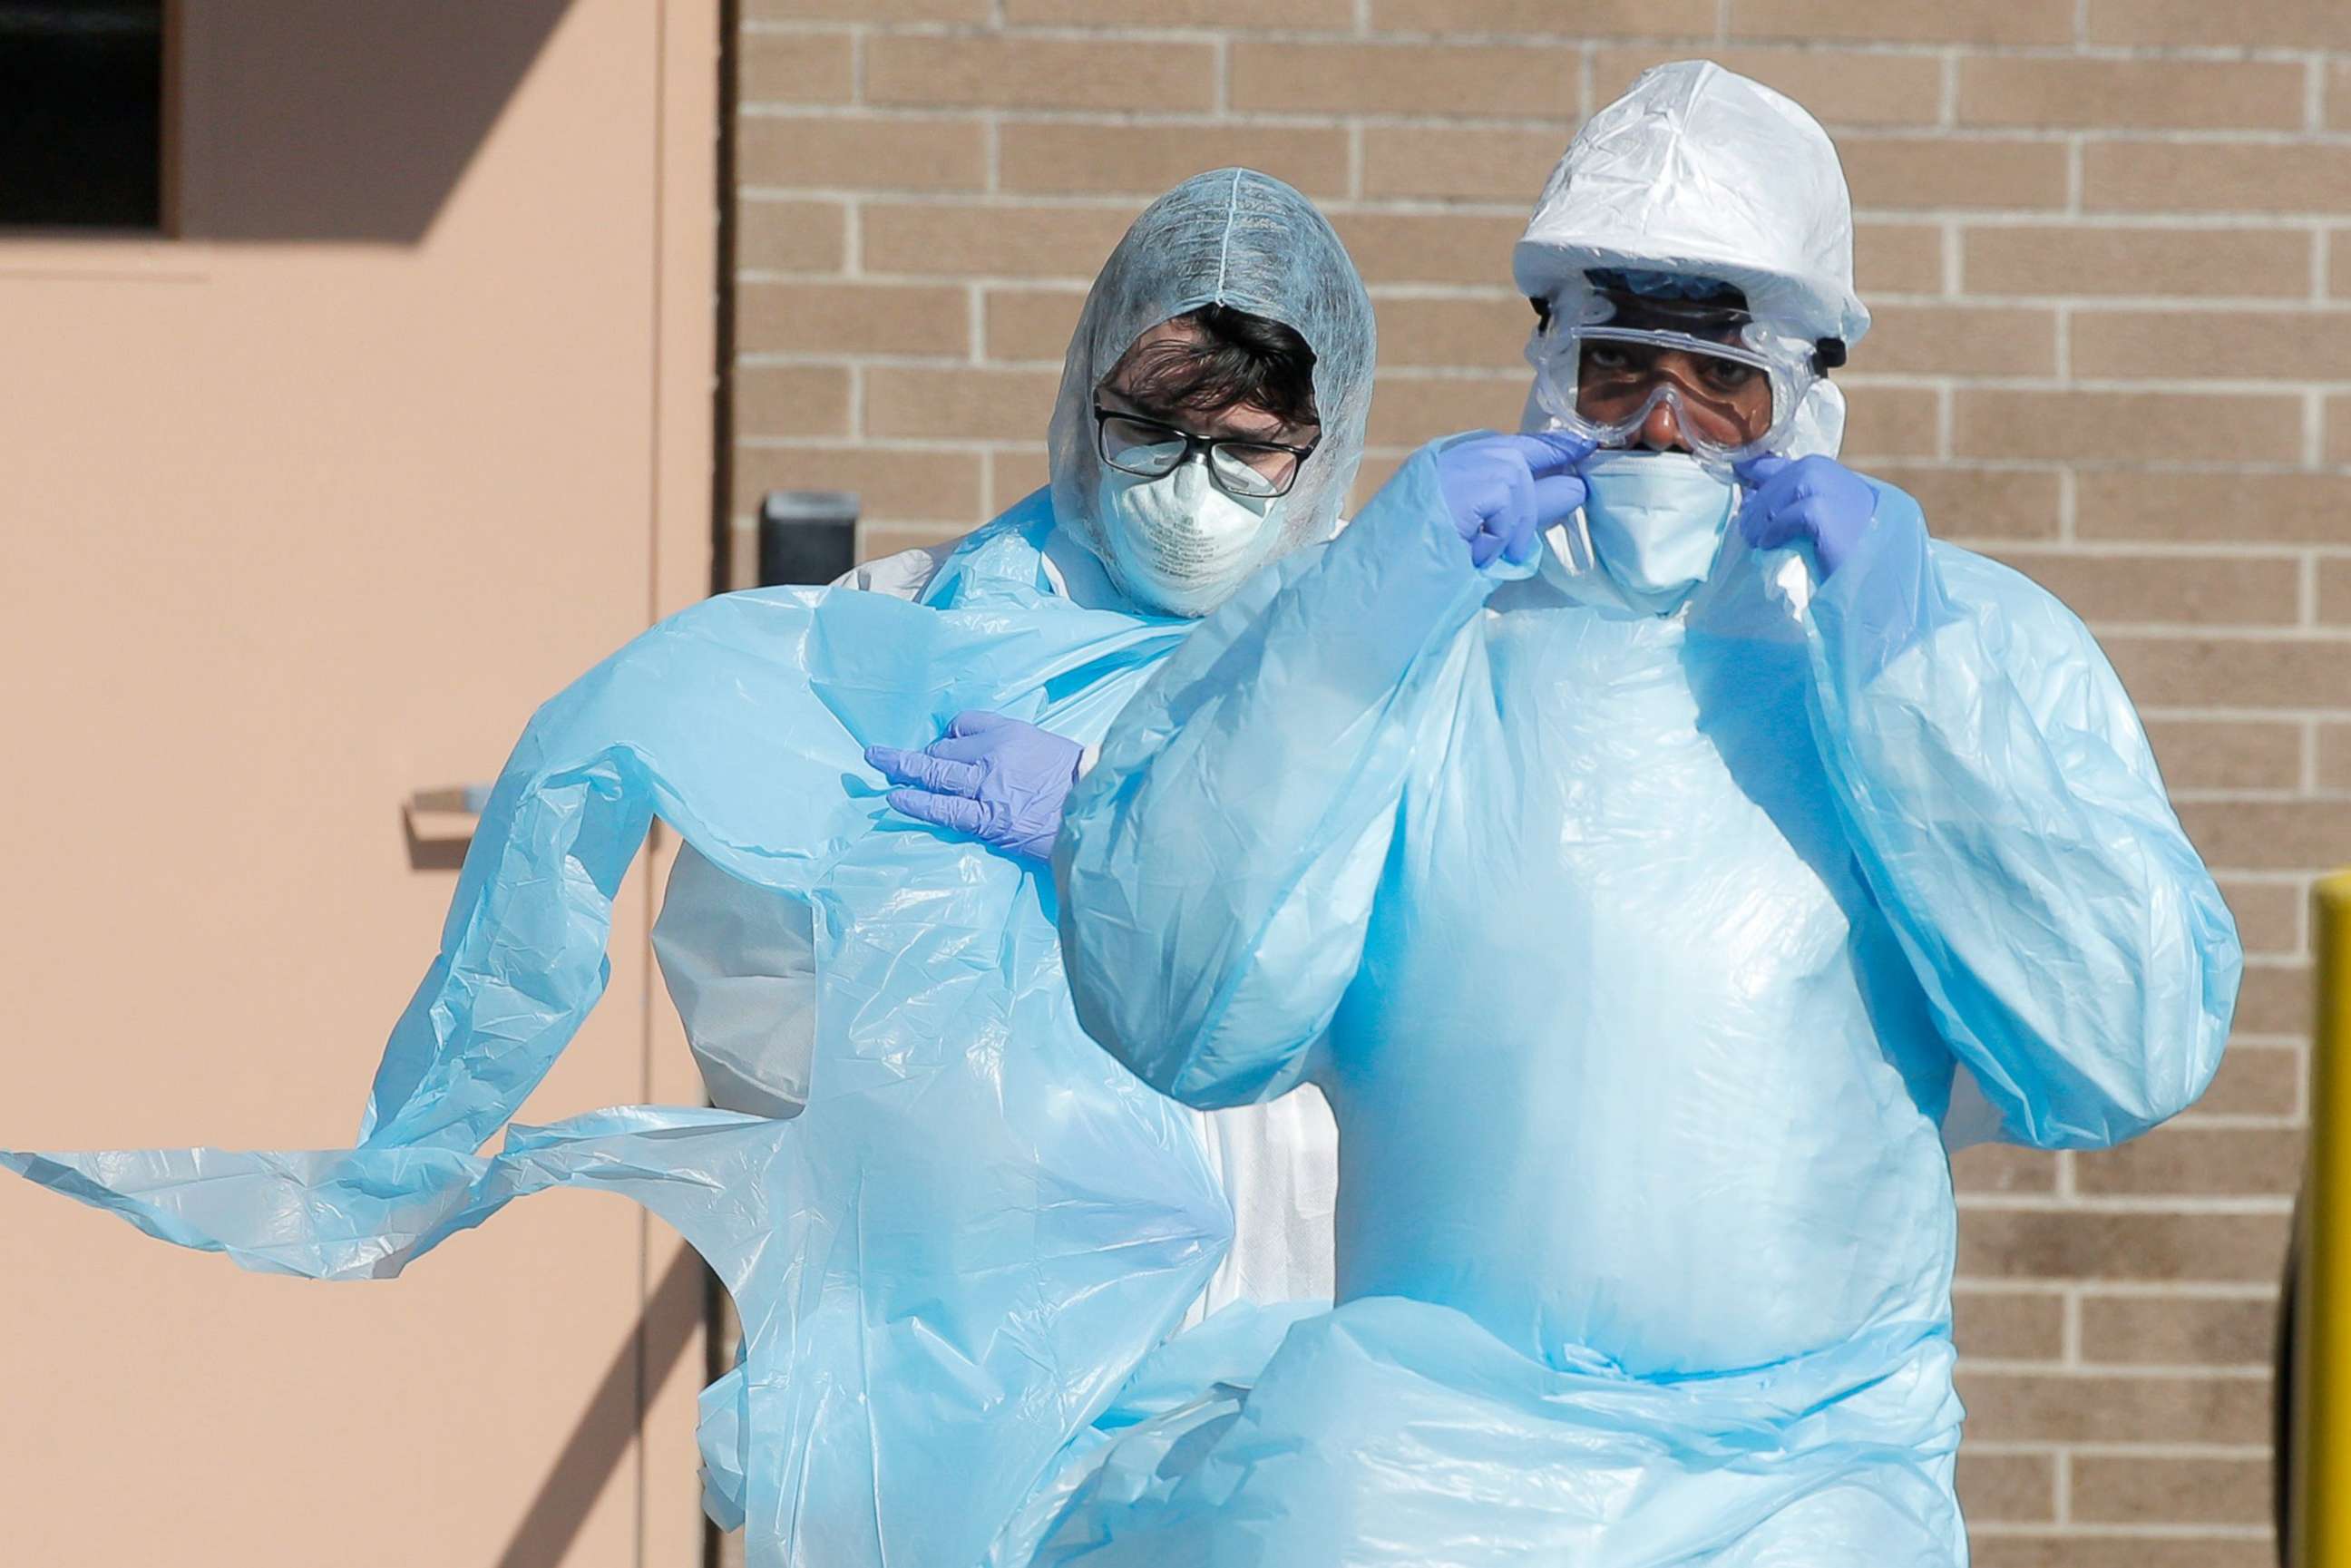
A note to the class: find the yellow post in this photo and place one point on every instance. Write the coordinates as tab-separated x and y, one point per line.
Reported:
2319	1527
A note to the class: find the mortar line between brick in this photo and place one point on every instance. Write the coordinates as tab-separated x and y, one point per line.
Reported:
2307	223
2186	551
2183	223
2045	1446
1928	49
2171	1205
2105	385
2135	1290
2144	1372
1361	28
1989	1529
2247	138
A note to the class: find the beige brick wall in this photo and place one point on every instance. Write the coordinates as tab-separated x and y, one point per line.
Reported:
2109	242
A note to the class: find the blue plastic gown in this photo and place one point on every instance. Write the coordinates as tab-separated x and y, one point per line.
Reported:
949	1263
1646	964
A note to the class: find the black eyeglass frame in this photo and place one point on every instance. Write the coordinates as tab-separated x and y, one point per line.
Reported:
1192	443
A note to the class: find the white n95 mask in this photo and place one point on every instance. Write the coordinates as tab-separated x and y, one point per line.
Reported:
1656	520
1179	543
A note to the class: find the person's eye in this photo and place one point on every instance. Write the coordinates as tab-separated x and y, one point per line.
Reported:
1728	375
1601	357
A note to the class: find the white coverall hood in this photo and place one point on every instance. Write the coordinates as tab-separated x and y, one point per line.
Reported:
1699	171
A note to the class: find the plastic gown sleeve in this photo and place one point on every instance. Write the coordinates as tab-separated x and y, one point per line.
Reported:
740	960
2008	818
980	1224
1217	865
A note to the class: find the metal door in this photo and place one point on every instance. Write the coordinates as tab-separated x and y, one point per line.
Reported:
302	509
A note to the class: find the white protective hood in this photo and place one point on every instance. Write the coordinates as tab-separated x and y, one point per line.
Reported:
1698	170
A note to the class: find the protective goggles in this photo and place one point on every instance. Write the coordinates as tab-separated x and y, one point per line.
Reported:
1732	390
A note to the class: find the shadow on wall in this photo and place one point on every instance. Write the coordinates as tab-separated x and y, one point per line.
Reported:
340	119
601	1444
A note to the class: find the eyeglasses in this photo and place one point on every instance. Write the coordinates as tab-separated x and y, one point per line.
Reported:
1149	449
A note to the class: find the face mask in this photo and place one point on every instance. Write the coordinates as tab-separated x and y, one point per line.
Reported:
1179	544
1657	521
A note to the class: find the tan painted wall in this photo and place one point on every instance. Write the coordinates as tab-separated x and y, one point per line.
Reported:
2107	242
304	510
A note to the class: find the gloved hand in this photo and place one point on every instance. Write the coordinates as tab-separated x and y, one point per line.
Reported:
1503	491
1815	501
1002	780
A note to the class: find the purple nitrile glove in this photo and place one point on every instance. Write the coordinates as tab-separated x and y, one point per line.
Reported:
1503	491
1002	780
1815	501
1878	588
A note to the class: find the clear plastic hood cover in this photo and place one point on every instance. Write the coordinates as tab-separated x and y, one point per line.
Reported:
1698	170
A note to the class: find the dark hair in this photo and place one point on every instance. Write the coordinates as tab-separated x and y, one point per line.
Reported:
1238	358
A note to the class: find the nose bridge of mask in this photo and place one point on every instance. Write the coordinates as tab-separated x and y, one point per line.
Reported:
1664	482
1189	483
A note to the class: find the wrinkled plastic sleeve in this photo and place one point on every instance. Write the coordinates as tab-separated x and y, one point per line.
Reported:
1217	866
2008	817
979	1223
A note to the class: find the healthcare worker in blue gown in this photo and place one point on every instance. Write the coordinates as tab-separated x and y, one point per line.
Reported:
1144	516
951	1224
1660	852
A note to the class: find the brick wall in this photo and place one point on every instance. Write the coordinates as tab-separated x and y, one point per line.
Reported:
2109	246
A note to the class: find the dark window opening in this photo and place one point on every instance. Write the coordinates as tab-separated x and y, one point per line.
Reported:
82	113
